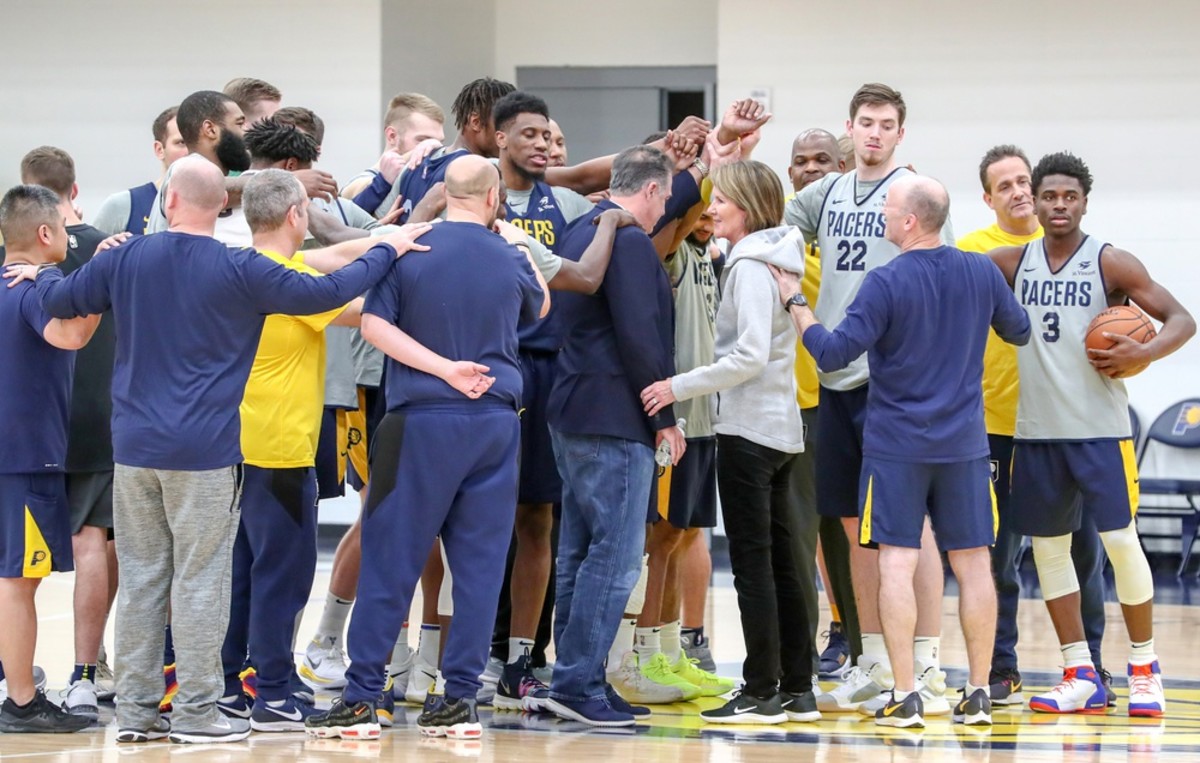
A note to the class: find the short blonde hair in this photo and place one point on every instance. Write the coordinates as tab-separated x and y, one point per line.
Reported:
755	189
404	104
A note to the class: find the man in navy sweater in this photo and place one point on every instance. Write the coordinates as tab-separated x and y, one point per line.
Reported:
188	313
617	342
923	321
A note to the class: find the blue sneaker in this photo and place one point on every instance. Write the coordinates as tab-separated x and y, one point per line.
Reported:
235	706
618	703
288	716
836	655
593	712
385	706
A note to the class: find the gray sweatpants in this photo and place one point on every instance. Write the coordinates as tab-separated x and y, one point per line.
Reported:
175	532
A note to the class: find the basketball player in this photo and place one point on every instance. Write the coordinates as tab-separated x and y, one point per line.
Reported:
923	318
129	211
1073	433
257	99
89	464
411	119
1005	175
815	154
842	215
457	480
558	146
36	379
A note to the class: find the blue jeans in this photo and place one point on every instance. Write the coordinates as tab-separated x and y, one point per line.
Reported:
606	487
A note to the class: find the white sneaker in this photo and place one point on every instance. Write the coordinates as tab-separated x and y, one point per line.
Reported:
858	686
39	683
324	665
80	698
421	679
637	688
1146	696
400	673
931	685
491	676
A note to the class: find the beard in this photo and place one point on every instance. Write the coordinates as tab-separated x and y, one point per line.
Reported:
532	175
232	153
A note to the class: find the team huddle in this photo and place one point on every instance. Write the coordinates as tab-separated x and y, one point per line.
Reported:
540	377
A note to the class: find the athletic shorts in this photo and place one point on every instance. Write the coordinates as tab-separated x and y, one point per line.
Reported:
686	494
89	494
360	432
539	481
331	454
957	497
35	526
839	456
1048	477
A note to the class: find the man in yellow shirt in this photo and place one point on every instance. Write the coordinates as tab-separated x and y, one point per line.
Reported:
1005	174
816	153
275	554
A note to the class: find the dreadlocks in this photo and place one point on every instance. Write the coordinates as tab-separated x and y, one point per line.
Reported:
477	98
275	141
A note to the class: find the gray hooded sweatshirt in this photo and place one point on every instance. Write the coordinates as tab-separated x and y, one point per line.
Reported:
753	380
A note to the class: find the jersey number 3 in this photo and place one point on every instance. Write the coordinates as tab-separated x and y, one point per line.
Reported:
851	255
1052	332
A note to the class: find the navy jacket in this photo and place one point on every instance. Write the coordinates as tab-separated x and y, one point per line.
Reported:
617	341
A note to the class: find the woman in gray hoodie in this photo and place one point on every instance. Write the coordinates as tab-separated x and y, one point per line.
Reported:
759	433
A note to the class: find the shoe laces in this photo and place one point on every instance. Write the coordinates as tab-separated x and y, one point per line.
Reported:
656	666
529	684
1142	681
693	667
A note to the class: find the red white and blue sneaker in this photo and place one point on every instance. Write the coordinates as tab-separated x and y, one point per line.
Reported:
1080	691
1146	698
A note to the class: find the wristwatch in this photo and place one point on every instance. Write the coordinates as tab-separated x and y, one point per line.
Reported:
796	300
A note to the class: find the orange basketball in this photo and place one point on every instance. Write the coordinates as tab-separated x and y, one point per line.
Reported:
1122	319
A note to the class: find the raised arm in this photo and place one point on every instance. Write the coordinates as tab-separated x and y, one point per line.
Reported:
1127	277
331	258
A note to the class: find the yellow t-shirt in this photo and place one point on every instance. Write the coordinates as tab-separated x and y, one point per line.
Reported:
808	387
281	408
1001	384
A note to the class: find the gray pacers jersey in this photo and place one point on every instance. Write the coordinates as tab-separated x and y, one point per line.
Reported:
1062	396
850	237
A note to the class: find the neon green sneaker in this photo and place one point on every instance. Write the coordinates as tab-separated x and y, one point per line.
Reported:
709	684
658	670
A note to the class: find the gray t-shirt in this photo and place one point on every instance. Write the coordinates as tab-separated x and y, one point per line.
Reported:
113	213
844	216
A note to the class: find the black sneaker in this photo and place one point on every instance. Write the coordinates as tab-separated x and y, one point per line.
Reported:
1006	686
516	683
357	721
1106	679
836	653
975	710
40	716
450	717
746	709
800	708
905	714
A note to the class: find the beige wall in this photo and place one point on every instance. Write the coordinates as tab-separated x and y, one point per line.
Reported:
1115	83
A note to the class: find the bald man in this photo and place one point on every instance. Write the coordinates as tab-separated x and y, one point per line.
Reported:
923	321
189	312
445	457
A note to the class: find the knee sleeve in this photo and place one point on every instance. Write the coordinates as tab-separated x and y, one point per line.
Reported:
637	597
1131	570
446	592
1056	571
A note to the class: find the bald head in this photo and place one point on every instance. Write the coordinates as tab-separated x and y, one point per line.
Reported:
471	176
924	198
815	154
198	184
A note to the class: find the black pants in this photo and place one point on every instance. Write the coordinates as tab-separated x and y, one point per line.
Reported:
755	483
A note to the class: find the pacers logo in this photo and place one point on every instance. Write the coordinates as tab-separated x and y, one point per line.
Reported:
37	558
1189	419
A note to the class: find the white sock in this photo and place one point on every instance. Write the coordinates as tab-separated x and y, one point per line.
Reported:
899	695
401	656
333	619
1142	654
622	643
517	647
669	638
925	651
646	642
429	643
1076	655
987	690
873	650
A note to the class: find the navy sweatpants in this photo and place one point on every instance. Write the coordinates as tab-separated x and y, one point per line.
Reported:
448	470
274	560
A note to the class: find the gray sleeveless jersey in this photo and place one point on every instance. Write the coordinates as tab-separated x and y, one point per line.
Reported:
1062	396
848	228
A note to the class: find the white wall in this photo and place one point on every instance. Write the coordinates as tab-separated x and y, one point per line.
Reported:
1115	83
91	77
613	33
